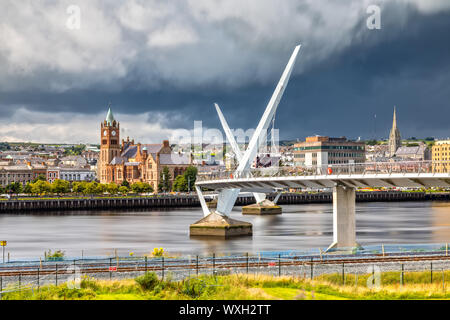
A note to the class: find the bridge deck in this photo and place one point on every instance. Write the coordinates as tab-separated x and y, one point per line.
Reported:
376	180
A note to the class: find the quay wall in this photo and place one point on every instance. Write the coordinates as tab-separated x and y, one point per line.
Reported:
176	201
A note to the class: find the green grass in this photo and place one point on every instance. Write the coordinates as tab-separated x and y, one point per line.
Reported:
417	285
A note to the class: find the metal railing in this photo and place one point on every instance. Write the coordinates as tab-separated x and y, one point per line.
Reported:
416	167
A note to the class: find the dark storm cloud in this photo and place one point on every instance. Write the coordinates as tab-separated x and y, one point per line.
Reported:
174	66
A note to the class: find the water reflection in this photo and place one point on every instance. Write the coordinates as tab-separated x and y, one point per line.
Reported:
139	231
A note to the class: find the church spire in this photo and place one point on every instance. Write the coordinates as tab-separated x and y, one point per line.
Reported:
109	117
394	121
395	141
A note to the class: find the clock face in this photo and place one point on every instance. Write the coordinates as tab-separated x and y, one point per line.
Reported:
105	133
113	133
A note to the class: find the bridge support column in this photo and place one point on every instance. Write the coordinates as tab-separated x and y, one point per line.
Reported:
263	206
344	226
217	223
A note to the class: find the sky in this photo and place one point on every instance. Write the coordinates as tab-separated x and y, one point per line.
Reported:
163	64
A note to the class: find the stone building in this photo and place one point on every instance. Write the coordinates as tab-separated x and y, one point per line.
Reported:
133	162
420	152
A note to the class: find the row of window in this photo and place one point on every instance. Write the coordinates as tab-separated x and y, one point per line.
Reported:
314	162
71	177
19	175
345	154
333	155
329	148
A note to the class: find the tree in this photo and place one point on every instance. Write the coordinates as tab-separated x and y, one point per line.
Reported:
146	187
28	188
40	187
125	183
112	188
74	150
123	190
91	188
190	175
101	188
371	142
40	177
136	187
165	178
14	187
60	186
141	187
180	184
78	186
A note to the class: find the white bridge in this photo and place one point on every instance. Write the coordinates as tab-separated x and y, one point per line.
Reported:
343	179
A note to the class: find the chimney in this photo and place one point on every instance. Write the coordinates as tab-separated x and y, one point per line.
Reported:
139	148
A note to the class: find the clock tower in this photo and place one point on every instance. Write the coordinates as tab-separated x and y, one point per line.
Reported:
109	145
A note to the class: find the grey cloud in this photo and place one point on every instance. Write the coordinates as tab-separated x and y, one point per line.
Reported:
174	59
188	44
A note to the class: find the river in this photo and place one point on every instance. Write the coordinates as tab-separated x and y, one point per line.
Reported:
95	233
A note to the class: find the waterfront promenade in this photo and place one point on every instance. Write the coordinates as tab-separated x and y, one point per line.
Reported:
185	200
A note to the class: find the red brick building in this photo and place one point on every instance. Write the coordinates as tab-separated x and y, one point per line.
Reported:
125	160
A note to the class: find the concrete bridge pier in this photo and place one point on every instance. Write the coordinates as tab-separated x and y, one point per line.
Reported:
344	225
217	223
263	206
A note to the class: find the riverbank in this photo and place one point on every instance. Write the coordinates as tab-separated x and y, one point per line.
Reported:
174	201
244	287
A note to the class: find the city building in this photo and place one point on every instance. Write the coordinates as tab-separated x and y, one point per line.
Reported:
377	153
440	155
395	140
76	174
73	161
322	150
413	153
135	162
16	173
52	174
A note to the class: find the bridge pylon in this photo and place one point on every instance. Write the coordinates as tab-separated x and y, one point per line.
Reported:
344	223
227	197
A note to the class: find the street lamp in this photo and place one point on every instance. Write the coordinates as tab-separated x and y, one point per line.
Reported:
3	244
189	184
164	182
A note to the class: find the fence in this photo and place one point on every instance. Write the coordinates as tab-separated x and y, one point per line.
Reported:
417	167
32	275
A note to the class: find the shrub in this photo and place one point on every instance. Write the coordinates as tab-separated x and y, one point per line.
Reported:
194	287
89	283
158	252
55	256
148	281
